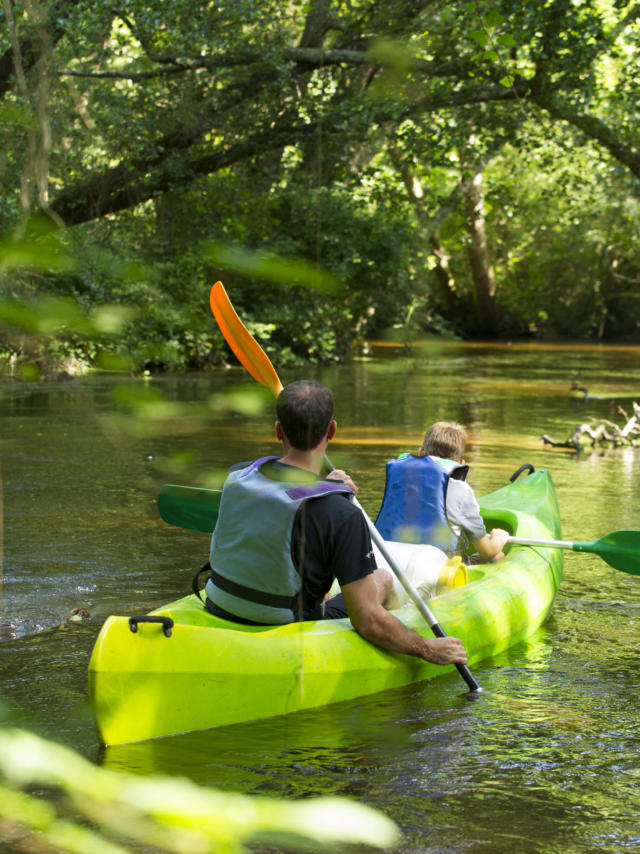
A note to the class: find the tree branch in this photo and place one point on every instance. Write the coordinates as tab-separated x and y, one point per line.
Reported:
127	185
593	128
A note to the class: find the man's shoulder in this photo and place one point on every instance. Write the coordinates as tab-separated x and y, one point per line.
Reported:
336	500
238	466
332	505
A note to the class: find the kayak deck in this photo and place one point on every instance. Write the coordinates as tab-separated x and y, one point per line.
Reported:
209	672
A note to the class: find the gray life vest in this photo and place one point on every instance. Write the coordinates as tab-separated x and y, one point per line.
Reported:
253	575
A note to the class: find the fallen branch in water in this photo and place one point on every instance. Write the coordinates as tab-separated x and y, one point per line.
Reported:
602	432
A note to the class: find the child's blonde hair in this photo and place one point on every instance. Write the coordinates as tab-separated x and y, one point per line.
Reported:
445	439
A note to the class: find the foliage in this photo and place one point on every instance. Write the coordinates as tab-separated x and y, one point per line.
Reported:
105	811
582	225
325	143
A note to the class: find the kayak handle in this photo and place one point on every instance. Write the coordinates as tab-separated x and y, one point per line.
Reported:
526	467
166	622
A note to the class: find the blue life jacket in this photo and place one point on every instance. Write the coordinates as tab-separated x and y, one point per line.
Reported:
414	504
253	575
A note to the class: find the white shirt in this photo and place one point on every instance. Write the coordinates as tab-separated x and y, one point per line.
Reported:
463	512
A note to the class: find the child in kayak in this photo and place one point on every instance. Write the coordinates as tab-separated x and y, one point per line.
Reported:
427	500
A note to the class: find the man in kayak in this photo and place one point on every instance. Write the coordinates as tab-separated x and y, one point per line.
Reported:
283	533
427	500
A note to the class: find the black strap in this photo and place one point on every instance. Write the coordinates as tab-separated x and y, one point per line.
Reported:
459	473
217	611
195	584
261	597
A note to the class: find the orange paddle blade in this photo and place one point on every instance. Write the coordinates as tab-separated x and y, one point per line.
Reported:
245	347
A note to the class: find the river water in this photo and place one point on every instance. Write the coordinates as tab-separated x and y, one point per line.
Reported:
545	761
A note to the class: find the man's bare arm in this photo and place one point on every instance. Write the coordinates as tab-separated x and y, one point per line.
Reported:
371	620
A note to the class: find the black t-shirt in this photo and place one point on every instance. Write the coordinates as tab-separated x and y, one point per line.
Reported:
330	539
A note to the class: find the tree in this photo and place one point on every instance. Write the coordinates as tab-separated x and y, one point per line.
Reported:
202	88
234	109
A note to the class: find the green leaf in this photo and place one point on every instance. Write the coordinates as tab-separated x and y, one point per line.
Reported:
494	19
480	37
43	253
109	319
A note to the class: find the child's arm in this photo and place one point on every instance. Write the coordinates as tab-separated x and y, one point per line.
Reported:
463	510
490	547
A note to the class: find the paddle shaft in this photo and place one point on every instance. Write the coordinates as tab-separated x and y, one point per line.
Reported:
620	549
258	364
552	544
197	509
417	600
574	545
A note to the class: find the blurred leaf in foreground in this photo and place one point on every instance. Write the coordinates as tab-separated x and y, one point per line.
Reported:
273	268
40	247
48	315
172	814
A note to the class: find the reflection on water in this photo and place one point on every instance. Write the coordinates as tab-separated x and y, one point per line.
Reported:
544	760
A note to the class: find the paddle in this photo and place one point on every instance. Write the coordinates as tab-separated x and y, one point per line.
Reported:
196	508
620	549
257	363
189	507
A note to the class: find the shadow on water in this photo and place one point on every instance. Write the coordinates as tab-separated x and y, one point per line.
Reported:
544	761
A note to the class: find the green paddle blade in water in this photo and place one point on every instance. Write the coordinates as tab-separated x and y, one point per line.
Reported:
189	507
620	549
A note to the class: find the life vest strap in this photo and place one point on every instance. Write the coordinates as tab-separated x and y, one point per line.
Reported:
261	597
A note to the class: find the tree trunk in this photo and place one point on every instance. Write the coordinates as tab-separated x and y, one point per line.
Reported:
484	284
428	234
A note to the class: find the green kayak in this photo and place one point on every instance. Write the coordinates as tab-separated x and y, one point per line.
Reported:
186	670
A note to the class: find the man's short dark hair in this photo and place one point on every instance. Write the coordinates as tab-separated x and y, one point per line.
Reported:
304	409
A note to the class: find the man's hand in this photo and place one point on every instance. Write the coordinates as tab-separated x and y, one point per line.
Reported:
445	651
338	474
